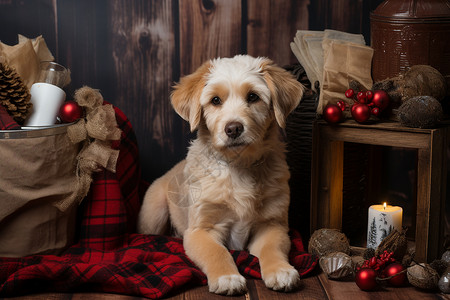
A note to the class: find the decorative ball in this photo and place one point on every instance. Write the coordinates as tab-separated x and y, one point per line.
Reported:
336	265
444	283
423	276
369	95
366	279
325	241
380	99
446	256
70	111
332	113
395	270
420	112
439	265
360	112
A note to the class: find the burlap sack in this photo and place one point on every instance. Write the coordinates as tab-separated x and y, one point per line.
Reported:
38	172
344	62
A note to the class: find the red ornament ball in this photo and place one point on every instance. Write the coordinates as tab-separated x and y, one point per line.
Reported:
366	279
332	113
360	112
380	99
395	270
70	111
369	95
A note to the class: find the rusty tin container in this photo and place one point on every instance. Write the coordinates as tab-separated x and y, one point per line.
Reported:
410	32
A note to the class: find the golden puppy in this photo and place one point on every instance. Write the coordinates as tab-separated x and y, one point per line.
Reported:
232	189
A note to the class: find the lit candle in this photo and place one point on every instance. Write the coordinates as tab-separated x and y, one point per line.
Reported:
382	220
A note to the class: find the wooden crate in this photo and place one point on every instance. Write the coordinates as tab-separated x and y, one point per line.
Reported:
327	175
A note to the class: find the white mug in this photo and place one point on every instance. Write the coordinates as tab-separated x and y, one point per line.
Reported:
47	95
47	99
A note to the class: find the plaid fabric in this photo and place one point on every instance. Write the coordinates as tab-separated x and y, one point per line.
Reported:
110	257
6	121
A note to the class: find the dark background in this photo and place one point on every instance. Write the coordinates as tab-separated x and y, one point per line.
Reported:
134	50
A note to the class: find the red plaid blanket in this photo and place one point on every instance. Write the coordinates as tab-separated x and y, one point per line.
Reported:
6	121
110	257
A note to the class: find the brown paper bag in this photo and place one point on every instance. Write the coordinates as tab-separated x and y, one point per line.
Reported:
39	46
343	63
38	171
23	59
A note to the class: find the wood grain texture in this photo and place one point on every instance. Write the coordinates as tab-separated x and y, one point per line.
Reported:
310	289
272	25
143	49
82	44
208	29
313	288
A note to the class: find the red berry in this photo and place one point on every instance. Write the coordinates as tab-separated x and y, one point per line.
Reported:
369	95
349	93
361	97
341	105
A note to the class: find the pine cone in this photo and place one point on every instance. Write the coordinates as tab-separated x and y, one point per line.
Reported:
14	94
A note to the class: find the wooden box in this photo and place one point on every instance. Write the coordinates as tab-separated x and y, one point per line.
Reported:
327	175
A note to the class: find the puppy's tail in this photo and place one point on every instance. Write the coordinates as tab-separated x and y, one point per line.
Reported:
154	215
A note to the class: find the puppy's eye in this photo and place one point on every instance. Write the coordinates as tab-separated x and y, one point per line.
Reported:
216	101
252	97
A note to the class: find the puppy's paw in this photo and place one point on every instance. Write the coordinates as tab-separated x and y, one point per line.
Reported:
228	285
283	279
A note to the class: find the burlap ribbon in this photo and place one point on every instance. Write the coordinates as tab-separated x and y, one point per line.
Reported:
96	131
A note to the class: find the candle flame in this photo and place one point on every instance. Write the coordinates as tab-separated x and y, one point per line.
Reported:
384	205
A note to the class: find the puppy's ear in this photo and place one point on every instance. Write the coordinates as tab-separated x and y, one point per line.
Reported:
186	96
285	90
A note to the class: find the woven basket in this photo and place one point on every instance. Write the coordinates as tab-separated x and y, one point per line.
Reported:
299	145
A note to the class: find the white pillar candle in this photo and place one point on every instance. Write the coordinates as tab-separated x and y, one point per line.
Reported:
382	220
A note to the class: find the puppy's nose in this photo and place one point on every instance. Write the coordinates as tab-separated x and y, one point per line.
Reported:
234	129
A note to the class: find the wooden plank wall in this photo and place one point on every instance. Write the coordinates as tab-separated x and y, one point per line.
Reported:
134	50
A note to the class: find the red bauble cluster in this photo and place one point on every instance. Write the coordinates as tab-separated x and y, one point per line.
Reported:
380	268
70	111
367	103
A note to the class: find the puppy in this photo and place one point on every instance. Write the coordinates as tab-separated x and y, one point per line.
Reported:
231	191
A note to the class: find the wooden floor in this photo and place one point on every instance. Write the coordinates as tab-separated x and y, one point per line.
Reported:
313	288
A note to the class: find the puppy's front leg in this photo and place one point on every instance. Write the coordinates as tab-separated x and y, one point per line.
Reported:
271	244
215	261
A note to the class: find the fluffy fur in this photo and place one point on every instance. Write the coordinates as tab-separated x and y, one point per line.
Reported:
231	191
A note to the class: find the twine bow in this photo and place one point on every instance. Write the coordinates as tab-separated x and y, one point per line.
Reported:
96	131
